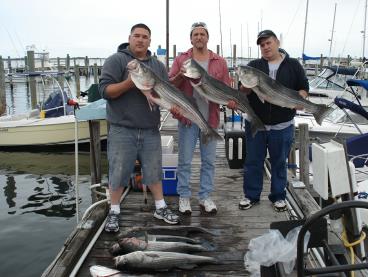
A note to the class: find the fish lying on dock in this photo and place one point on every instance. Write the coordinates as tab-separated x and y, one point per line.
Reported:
160	261
182	230
275	93
102	271
218	92
168	96
128	245
148	237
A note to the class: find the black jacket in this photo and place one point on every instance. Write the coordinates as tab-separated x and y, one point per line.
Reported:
291	74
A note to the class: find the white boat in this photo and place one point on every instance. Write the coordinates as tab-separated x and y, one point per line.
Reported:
16	131
345	121
331	83
53	124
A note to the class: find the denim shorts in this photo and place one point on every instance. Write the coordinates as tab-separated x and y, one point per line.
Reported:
125	146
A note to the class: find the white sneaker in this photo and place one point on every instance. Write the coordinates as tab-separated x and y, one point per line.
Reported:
184	205
280	206
208	206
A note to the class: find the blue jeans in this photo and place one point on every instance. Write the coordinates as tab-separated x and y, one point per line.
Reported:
188	137
278	143
125	146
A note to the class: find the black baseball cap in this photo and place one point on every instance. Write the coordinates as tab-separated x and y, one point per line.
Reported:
265	34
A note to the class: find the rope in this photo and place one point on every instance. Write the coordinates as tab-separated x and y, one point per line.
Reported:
350	245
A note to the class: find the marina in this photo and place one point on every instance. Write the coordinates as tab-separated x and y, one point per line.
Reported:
54	193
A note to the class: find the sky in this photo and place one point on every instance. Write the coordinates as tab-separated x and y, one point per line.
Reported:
95	28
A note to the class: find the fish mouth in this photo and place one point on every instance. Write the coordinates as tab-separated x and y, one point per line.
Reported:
132	65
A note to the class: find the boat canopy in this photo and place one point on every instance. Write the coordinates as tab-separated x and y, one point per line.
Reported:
343	103
305	58
358	83
342	70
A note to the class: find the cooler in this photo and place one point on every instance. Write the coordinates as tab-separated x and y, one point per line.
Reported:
169	169
234	142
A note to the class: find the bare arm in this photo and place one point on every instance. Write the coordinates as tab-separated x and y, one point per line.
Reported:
116	90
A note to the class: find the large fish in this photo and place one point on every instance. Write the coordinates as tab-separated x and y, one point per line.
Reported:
218	92
102	271
159	261
275	93
168	96
147	237
128	245
183	230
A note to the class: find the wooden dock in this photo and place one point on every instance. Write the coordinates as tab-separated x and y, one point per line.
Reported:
234	228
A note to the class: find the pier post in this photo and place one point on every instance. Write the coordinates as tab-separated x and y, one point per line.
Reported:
67	62
2	88
86	64
304	153
60	76
234	55
10	65
32	80
95	73
174	51
321	62
95	154
77	79
10	70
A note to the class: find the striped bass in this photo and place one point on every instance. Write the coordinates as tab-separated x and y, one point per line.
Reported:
275	93
168	96
158	261
128	245
218	92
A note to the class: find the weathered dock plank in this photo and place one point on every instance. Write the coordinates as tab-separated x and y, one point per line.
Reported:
234	227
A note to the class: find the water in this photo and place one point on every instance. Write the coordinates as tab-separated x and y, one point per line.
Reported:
37	200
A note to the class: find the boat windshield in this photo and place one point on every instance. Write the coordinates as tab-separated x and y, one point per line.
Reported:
339	116
334	83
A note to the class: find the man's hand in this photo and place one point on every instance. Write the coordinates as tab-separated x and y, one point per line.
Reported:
175	111
232	105
244	89
303	94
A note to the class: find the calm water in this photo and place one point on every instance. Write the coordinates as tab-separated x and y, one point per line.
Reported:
37	200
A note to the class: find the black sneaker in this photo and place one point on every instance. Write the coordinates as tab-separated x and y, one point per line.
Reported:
166	215
112	222
246	203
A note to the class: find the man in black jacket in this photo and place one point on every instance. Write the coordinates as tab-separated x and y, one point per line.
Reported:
279	123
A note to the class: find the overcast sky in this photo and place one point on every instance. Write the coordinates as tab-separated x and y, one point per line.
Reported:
95	28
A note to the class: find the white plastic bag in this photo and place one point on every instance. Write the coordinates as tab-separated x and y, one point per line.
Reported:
271	248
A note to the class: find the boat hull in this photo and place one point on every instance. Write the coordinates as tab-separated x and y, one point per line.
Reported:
49	131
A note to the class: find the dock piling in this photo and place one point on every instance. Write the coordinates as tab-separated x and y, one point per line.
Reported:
304	153
32	80
2	88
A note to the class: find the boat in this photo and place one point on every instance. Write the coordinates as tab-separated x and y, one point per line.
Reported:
347	119
52	125
332	82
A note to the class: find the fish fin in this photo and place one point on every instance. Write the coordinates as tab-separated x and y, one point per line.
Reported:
146	236
212	134
256	125
322	112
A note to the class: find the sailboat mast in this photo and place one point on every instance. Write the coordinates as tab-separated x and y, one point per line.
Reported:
305	27
365	25
331	39
220	28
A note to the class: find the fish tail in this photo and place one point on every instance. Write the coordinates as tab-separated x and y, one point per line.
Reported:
210	135
322	112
